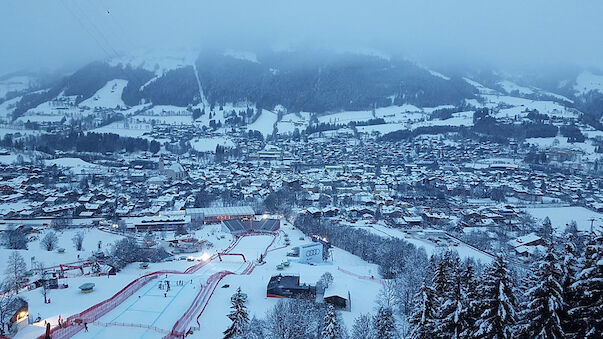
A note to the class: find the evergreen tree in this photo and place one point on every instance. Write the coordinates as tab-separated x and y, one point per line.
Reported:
331	327
546	231
15	239
496	304
154	146
442	279
423	321
385	327
362	327
470	296
543	309
238	316
453	312
588	309
570	269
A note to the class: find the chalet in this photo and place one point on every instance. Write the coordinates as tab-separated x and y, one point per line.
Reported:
338	297
528	195
413	221
288	286
17	315
528	244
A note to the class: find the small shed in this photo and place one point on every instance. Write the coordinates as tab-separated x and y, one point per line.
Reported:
107	270
337	296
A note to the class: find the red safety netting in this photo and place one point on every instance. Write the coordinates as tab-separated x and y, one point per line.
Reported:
198	305
75	323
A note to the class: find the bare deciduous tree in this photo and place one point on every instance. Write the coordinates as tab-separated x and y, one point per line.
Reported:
78	240
49	242
15	271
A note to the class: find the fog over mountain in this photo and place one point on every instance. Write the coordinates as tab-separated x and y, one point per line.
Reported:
38	34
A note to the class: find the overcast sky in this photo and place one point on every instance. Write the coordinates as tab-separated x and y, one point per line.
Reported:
53	33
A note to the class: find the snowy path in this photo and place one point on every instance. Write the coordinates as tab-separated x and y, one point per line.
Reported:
201	94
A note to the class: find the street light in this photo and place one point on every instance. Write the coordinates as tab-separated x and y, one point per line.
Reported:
205	256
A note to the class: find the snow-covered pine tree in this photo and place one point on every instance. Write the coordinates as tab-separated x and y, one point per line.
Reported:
570	269
453	313
546	230
385	327
238	315
541	315
588	308
362	328
469	294
496	303
442	277
331	328
423	321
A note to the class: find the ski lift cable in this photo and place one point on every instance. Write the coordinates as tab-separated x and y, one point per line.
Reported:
89	19
113	28
85	13
86	28
117	25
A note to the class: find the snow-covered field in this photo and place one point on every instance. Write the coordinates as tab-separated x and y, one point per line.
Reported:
109	96
415	120
125	129
587	81
291	121
457	119
563	216
561	142
165	119
520	105
76	165
209	144
481	88
265	123
157	61
7	107
509	87
389	114
14	131
15	83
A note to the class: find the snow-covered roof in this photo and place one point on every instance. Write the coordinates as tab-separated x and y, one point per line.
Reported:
523	240
217	211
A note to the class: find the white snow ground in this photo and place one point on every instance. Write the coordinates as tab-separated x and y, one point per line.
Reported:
587	81
265	123
109	96
563	216
209	144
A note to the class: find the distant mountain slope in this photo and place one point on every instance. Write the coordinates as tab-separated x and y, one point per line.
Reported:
328	82
303	81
